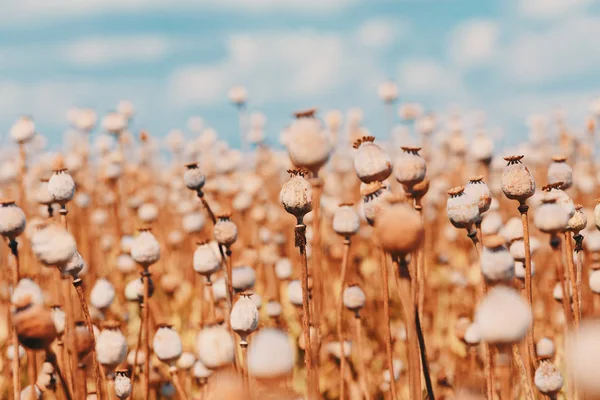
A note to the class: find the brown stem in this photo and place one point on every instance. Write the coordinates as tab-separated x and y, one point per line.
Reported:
31	373
15	340
177	383
22	172
364	376
145	278
88	322
560	271
388	332
245	373
531	356
340	310
316	258
572	277
423	353
300	233
229	278
211	215
71	338
51	358
137	349
521	367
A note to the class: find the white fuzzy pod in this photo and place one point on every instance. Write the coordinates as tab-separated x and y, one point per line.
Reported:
193	222
27	395
270	354
296	196
548	379
102	294
242	202
200	371
145	249
491	223
141	357
99	217
243	278
462	210
560	171
148	212
513	229
273	308
283	268
23	130
215	346
388	91
307	144
111	348
58	317
409	168
503	316
10	352
26	288
167	345
472	335
134	290
372	163
12	220
123	386
73	267
42	195
594	281
219	289
545	347
244	317
520	269
125	263
225	231
186	361
482	148
61	187
334	349
354	298
294	292
550	218
205	261
346	221
82	200
517	182
480	191
114	122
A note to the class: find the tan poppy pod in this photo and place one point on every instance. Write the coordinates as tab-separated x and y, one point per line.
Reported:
23	130
482	148
409	167
346	221
562	198
83	340
399	229
477	189
374	200
225	231
550	217
34	325
578	221
307	143
548	379
560	171
61	186
12	219
462	209
517	182
497	263
296	195
371	162
388	91
193	177
238	95
420	189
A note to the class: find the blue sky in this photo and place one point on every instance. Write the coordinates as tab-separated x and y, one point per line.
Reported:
177	58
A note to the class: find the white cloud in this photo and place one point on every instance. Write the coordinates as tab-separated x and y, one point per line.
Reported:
550	8
474	42
275	65
380	32
107	50
424	76
563	50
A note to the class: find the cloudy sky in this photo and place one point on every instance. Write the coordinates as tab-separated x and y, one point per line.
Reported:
177	58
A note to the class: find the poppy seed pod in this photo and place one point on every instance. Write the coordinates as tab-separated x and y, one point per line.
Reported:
497	264
409	167
23	130
26	394
243	278
83	339
477	189
61	186
578	221
513	229
33	325
562	198
122	385
238	95
58	318
371	162
374	200
335	349
520	269
308	144
354	298
205	261
560	171
141	357
114	123
111	346
244	318
186	361
85	119
517	249
517	182
550	217
270	354
10	352
273	308
27	289
544	348
145	249
147	212
548	379
482	148
134	290
294	293
42	195
215	346
102	294
491	223
167	344
283	269
225	231
594	281
583	351
388	91
472	336
200	371
125	264
503	316
296	195
53	245
346	221
399	229
193	222
72	268
597	214
462	209
12	220
193	177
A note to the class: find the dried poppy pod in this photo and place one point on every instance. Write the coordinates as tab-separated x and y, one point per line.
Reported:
61	186
497	264
578	221
42	195
58	318
346	221
503	316
388	91
27	289
193	177
472	335
560	171
410	111
491	223
462	209
111	345
270	355
102	294
33	324
186	361
85	119
477	189
517	182
225	231
167	344
205	261
23	130
594	281
399	229
73	267
31	392
83	339
544	348
244	318
296	195
243	278
215	346
147	213
238	95
122	384
145	249
550	217
548	379
307	143
562	198
597	214
409	167
134	290
114	123
482	148
420	189
374	200
371	162
354	298
53	245
294	293
12	220
583	350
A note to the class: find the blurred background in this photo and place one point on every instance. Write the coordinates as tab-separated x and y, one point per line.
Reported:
175	59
